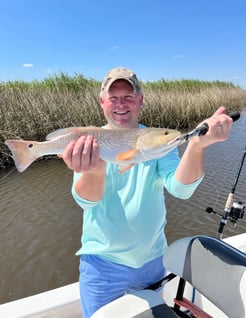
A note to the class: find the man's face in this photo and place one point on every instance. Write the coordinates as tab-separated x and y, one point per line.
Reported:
121	105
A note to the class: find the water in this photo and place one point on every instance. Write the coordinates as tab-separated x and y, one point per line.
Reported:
40	224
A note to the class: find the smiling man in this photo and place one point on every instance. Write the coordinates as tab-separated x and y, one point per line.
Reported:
121	98
123	239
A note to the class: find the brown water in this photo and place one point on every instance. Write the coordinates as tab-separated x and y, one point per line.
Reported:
40	225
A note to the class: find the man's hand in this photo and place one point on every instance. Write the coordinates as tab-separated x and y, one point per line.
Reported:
191	165
82	155
219	127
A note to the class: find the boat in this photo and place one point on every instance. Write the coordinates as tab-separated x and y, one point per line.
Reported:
64	302
216	274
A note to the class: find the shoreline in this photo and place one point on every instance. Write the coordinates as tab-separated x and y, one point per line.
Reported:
32	110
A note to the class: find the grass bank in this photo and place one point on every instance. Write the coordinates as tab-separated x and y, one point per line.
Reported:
30	110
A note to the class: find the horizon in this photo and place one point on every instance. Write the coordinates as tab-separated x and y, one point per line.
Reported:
73	76
199	40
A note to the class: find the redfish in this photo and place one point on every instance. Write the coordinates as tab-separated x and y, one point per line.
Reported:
125	147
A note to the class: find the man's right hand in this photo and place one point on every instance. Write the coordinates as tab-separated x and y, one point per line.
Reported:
82	155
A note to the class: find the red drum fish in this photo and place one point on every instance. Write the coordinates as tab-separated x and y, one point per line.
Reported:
125	147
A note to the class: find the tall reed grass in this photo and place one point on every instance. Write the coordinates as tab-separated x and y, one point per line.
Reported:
30	110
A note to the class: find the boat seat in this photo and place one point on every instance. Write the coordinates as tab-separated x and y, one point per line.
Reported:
136	304
214	268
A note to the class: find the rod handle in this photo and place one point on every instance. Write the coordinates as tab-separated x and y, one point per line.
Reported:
234	115
229	201
203	129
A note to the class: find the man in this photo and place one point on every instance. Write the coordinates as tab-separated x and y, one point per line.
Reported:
123	238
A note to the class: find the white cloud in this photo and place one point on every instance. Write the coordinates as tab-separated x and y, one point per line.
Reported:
49	71
114	47
179	56
27	65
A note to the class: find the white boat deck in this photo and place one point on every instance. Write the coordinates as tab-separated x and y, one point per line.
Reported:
63	302
72	310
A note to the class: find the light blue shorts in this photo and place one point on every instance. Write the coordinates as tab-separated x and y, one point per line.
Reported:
102	281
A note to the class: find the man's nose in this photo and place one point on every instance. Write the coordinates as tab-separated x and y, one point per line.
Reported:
121	101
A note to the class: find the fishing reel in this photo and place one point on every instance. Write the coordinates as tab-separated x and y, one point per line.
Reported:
234	210
235	213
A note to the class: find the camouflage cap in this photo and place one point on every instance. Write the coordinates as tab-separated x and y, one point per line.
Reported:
120	73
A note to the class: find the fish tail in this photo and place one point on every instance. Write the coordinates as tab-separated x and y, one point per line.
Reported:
22	153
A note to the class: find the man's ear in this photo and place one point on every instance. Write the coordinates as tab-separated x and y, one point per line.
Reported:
141	100
101	101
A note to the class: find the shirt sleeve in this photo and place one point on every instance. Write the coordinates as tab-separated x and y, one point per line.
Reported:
167	167
83	203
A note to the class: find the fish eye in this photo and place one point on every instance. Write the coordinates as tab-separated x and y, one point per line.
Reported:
30	145
166	132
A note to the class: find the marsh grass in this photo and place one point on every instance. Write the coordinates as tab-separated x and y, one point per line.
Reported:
30	110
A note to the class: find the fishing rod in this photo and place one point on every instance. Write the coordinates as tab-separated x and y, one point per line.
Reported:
233	210
198	131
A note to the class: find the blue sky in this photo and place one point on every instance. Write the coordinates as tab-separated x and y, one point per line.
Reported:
170	39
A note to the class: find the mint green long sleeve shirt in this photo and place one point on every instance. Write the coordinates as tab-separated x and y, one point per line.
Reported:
127	225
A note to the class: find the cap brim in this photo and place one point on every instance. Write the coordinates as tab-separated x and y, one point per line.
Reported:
109	84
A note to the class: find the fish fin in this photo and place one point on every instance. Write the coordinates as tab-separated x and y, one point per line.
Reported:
124	168
126	155
22	153
65	131
61	132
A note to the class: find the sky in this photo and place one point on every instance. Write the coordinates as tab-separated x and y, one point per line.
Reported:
157	39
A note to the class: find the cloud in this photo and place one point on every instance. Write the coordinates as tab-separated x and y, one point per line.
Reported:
27	65
49	71
179	56
114	47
